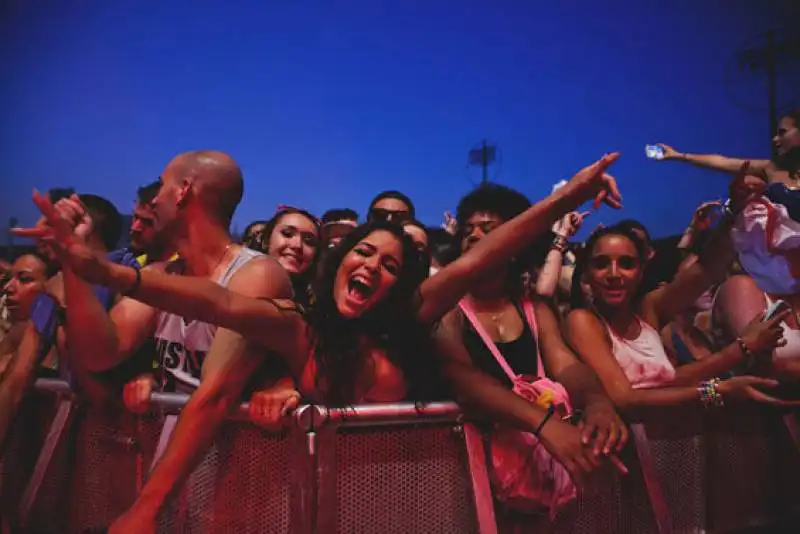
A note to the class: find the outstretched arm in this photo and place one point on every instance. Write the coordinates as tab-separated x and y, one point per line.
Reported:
270	322
716	162
442	292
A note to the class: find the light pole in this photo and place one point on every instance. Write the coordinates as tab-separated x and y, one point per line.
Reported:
483	156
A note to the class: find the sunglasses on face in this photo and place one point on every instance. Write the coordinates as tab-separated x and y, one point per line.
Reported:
380	214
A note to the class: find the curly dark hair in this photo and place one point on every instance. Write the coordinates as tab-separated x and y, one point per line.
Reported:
300	282
390	325
577	298
506	203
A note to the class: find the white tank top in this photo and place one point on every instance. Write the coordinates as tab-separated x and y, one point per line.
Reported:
643	360
181	347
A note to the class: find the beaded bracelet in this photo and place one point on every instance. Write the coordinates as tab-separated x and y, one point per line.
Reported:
560	243
709	393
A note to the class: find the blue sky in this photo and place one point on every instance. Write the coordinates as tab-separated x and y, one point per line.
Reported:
324	104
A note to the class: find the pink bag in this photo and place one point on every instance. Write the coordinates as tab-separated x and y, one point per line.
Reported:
524	474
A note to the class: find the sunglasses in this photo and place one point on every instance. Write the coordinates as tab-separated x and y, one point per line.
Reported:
380	214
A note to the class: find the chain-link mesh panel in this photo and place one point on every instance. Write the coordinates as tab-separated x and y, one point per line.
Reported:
403	480
109	463
25	440
51	510
92	476
607	503
242	486
610	503
751	467
678	452
680	464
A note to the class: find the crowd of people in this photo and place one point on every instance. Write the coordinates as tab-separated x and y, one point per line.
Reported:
500	309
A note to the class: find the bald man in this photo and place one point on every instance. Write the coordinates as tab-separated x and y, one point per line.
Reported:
198	195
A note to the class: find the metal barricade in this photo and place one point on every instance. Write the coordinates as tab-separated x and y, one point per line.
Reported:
28	436
753	470
391	468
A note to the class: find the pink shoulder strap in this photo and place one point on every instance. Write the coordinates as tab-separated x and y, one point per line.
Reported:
527	307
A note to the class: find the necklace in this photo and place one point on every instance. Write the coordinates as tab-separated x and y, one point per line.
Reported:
496	319
221	257
187	323
219	261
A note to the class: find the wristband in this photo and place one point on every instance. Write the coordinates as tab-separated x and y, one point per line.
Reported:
136	283
550	411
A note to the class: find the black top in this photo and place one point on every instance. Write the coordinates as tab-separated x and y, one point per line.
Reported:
520	354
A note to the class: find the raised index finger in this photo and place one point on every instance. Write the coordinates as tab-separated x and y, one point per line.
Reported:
45	206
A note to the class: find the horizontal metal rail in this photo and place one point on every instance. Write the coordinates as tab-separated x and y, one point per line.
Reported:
309	416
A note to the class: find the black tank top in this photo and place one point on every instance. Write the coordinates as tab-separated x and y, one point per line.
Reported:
520	354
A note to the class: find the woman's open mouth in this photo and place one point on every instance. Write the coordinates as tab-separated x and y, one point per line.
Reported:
360	288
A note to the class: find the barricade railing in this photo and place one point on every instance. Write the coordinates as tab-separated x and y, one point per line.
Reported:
388	468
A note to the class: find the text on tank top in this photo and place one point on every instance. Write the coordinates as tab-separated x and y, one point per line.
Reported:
181	346
643	360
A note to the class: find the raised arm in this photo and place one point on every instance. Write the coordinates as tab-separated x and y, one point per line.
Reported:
716	162
273	323
550	274
99	340
662	305
441	293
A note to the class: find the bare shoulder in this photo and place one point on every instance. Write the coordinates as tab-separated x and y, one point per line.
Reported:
262	276
582	320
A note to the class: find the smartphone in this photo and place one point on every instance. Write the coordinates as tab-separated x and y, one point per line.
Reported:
774	308
654	152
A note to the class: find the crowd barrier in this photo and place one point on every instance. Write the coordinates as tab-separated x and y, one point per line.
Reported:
390	468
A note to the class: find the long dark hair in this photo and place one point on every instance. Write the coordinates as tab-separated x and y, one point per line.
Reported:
301	283
584	255
390	325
